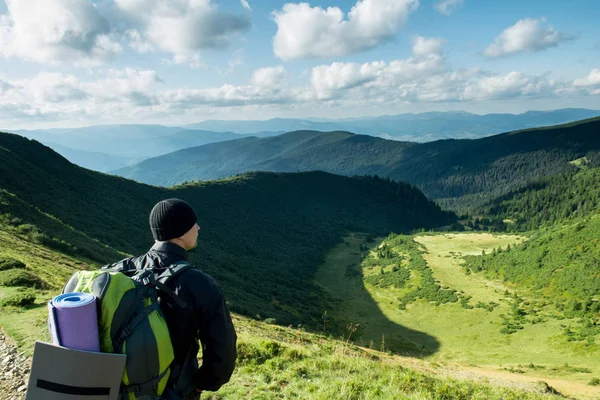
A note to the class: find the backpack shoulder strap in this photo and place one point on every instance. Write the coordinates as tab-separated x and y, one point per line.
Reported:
161	280
125	266
173	270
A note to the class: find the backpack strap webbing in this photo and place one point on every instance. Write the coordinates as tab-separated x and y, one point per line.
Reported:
172	270
127	329
145	388
169	273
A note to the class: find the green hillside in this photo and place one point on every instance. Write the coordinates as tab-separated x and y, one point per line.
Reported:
341	153
263	234
460	174
560	263
268	239
273	362
546	201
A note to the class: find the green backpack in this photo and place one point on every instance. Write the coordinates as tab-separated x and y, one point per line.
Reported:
130	322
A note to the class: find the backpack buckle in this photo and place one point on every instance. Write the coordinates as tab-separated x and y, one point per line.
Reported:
125	333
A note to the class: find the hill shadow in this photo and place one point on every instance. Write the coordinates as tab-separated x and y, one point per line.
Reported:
341	278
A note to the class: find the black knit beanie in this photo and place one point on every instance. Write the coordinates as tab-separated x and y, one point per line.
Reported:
171	218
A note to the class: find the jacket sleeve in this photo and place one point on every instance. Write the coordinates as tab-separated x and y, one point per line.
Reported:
218	338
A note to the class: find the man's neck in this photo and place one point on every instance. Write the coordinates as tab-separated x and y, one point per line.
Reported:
174	241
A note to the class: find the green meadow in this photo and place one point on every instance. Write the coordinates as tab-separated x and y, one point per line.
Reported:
469	333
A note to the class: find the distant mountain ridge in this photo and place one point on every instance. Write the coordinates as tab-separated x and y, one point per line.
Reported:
97	161
106	148
421	127
444	169
135	142
290	152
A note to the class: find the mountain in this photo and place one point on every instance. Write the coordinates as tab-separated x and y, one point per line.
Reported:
123	141
137	142
421	127
474	171
276	125
547	201
286	250
92	160
336	152
263	234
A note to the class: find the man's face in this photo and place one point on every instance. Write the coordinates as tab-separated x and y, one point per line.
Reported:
190	238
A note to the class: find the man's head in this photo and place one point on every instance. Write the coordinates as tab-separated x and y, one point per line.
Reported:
173	220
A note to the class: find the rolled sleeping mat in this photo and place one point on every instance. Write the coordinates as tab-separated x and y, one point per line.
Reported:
73	321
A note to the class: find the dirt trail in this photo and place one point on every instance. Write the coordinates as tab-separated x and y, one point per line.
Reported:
14	370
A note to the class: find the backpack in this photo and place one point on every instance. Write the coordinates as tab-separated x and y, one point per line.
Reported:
130	322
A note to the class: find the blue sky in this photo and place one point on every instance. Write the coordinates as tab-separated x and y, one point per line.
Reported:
81	62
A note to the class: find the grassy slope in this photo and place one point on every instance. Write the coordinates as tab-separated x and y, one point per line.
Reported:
52	267
274	362
466	336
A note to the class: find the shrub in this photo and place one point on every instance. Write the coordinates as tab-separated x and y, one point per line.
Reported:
7	263
258	353
17	277
18	300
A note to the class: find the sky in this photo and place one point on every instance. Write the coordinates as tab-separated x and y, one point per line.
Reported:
67	63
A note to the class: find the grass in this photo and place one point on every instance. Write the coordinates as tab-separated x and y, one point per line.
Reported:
284	363
444	256
449	332
27	324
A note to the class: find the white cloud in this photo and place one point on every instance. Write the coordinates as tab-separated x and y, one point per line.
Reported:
141	94
54	96
90	32
527	35
309	32
423	46
447	7
56	31
269	77
421	80
513	84
191	59
331	80
593	79
138	42
183	27
245	4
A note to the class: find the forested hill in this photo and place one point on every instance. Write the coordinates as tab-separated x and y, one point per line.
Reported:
459	173
263	234
547	201
341	153
560	263
487	168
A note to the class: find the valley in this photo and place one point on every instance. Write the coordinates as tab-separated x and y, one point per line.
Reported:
279	362
359	286
449	333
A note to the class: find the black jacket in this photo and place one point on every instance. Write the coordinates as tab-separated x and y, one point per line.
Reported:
206	308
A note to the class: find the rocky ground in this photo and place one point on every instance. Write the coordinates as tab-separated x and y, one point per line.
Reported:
14	370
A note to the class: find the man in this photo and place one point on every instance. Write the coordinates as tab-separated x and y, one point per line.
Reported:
175	230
